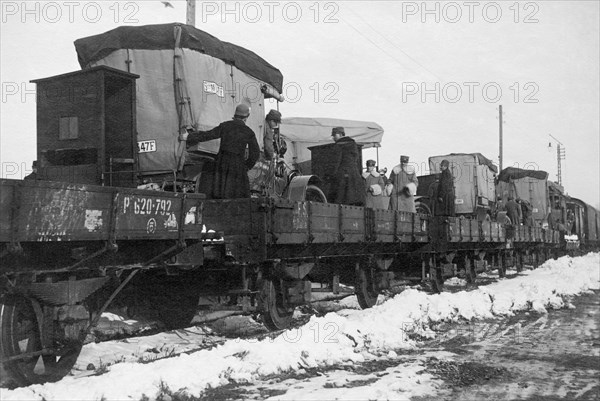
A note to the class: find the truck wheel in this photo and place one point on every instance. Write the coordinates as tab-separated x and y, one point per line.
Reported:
422	208
314	194
275	315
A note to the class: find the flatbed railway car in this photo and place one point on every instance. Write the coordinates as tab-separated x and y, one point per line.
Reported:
61	243
69	250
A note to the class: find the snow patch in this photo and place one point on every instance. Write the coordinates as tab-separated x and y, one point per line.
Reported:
338	338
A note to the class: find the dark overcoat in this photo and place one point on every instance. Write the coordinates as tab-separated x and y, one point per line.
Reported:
513	211
230	175
445	194
348	186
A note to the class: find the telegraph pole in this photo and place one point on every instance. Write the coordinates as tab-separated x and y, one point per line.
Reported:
500	122
560	155
190	15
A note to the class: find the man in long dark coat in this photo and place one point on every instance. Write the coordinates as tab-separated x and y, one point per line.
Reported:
513	211
348	184
445	191
230	179
527	212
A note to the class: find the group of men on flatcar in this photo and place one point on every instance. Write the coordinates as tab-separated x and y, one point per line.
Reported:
239	151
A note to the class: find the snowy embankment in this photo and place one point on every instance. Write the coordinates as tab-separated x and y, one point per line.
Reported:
343	337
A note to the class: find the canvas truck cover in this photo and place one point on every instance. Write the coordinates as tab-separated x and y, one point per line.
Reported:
474	179
300	133
513	173
531	185
187	77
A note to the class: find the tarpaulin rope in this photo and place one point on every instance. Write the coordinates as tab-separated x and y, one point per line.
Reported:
183	102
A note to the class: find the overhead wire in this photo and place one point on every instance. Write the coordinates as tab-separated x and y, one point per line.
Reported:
394	44
376	45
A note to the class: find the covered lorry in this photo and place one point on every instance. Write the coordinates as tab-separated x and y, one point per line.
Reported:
186	77
301	133
529	185
474	181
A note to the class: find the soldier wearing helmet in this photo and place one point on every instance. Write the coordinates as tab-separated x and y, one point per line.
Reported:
272	121
231	167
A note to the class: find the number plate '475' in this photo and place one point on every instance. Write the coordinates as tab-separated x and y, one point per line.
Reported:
146	146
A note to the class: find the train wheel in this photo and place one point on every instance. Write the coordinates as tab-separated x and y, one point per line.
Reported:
275	315
20	335
436	278
470	272
364	287
536	259
518	262
501	266
314	194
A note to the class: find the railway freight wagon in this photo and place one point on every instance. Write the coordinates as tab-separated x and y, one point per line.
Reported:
84	232
66	252
591	227
70	250
583	224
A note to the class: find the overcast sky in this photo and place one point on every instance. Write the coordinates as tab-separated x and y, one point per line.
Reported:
431	74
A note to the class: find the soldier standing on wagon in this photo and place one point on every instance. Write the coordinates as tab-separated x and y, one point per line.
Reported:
263	177
348	185
374	185
272	121
405	183
527	212
445	191
34	171
513	211
231	168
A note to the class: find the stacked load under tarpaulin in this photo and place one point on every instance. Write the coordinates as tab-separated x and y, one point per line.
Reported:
187	77
531	185
300	133
474	180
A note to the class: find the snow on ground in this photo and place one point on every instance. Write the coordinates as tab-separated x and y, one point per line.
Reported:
338	338
400	382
